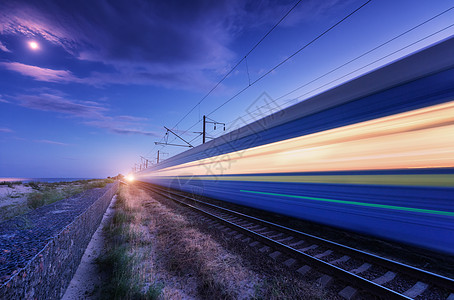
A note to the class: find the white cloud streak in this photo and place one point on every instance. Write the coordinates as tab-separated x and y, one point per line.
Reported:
92	113
6	130
41	74
3	48
51	142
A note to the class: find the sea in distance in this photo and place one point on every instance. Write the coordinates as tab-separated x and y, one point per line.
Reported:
25	180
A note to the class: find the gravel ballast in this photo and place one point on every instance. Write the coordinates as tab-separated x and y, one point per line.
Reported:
23	237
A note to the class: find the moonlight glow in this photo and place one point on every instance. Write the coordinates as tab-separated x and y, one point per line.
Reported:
33	45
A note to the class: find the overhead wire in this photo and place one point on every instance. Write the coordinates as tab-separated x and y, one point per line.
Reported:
377	60
238	63
331	71
283	61
352	60
365	66
234	67
290	57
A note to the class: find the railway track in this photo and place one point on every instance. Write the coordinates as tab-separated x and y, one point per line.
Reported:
361	270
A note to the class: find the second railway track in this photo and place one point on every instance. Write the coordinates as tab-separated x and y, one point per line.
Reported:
356	268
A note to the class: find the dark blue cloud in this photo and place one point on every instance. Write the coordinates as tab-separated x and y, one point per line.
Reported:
176	43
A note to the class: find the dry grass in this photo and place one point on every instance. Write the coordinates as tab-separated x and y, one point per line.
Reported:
276	280
17	198
187	252
127	243
157	254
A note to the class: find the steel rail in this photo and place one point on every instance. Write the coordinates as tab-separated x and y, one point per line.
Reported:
434	278
319	264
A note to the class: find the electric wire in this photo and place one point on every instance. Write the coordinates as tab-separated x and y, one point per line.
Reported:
377	60
352	60
358	69
237	64
290	57
335	69
231	70
283	61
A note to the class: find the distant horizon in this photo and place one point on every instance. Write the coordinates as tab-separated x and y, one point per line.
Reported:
45	179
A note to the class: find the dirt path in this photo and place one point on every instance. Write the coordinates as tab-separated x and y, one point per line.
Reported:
88	278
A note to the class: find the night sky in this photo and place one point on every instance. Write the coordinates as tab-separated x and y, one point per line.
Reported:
87	86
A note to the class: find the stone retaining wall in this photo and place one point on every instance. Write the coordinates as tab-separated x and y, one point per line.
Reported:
48	274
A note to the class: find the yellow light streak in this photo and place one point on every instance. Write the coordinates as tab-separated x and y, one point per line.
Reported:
421	138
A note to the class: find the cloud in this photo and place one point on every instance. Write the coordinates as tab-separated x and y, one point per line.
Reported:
120	126
133	131
6	130
51	142
168	43
127	76
41	74
92	113
3	48
55	103
131	118
159	42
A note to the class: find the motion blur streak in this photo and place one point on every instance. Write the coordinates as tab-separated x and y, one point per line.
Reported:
426	211
440	180
374	155
422	138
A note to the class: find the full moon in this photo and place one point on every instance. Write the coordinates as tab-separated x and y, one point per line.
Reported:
33	45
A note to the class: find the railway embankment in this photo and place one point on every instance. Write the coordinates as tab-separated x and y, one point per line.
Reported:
41	250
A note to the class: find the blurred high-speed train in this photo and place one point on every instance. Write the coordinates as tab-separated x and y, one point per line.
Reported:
374	155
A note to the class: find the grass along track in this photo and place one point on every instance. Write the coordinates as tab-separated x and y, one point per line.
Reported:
158	253
17	198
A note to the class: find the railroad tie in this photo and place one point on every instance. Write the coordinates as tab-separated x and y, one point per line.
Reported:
290	262
362	268
246	240
264	249
232	232
340	260
324	281
245	224
304	269
265	233
326	253
238	236
348	292
275	255
416	290
262	229
254	244
308	248
226	230
296	244
387	277
256	227
278	235
289	238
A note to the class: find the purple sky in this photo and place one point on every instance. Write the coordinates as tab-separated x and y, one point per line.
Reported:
108	75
